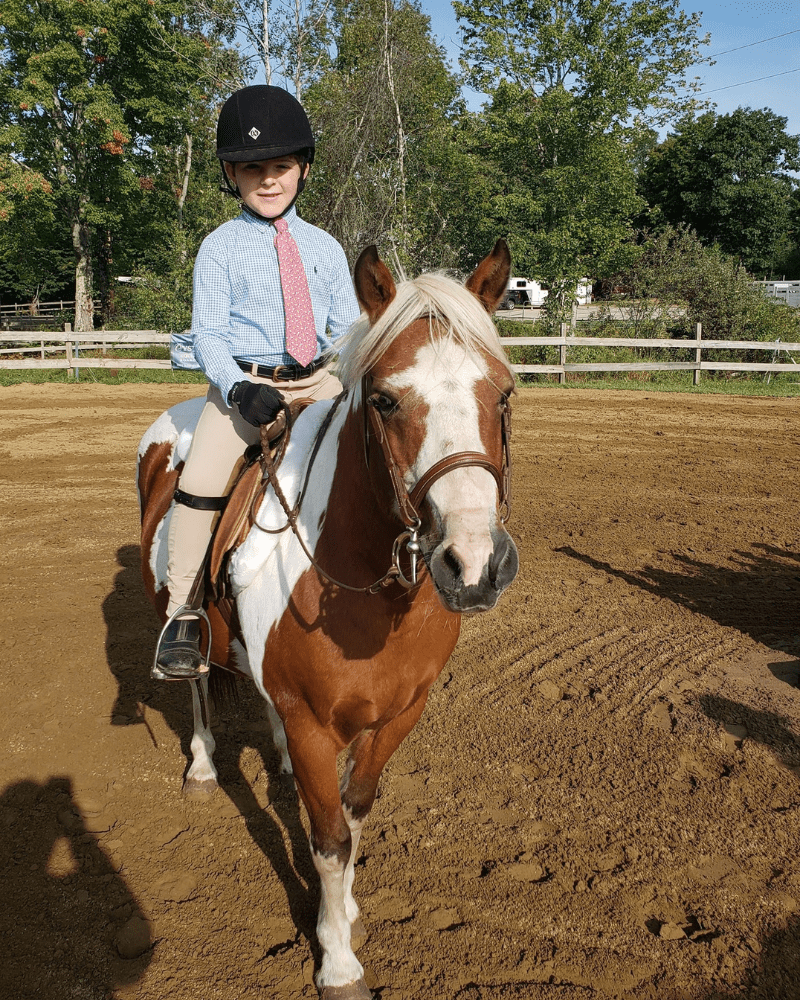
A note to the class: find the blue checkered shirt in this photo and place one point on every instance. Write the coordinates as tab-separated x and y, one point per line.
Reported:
238	303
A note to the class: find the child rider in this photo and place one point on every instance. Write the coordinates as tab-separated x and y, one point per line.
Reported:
265	145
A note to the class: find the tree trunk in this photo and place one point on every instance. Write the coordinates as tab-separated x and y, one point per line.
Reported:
105	280
187	168
265	40
84	303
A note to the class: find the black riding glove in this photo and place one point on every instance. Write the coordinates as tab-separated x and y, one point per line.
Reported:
257	403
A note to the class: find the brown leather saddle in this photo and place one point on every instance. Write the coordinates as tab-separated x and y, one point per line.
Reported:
245	499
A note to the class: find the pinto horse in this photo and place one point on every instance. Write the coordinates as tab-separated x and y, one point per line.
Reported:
396	495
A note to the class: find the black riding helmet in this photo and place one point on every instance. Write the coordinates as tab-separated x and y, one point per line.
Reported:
262	123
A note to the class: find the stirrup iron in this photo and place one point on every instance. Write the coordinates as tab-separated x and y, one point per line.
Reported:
184	611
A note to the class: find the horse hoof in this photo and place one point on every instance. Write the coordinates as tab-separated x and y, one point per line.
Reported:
195	788
358	934
352	991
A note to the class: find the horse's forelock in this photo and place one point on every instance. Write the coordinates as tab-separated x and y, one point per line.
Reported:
459	315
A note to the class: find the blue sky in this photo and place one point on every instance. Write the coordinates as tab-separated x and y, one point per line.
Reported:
731	24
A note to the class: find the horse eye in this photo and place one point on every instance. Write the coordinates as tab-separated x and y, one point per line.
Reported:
382	403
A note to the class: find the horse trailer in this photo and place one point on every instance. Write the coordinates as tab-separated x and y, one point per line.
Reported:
522	292
783	291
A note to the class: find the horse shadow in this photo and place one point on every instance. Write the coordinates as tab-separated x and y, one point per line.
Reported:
758	596
773	974
68	919
238	724
764	581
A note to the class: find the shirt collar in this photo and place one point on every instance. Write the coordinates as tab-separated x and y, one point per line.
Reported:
290	215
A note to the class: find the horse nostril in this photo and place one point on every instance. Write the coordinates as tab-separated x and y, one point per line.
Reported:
452	562
504	563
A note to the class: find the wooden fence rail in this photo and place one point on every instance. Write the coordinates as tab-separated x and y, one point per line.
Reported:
43	342
37	308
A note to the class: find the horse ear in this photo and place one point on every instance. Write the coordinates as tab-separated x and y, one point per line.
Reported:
374	284
490	278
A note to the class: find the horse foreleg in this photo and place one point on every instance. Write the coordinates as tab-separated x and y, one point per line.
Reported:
201	778
359	784
340	976
356	824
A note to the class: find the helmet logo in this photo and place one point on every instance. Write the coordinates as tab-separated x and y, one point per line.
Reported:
254	133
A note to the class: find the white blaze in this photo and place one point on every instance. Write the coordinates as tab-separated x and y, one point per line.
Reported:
465	499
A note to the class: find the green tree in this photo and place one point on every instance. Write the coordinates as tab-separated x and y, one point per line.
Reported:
563	195
288	42
674	268
575	86
729	178
618	58
35	256
382	109
87	88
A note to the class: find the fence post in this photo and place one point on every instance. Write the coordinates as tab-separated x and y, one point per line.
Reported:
70	352
562	354
698	337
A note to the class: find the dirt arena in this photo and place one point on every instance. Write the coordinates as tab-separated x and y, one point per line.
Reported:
602	799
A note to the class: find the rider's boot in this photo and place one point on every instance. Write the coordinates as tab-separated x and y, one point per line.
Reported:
179	656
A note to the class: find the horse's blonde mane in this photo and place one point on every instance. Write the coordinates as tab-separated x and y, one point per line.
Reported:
459	314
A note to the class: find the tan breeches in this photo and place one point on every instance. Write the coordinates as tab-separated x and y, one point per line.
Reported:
219	439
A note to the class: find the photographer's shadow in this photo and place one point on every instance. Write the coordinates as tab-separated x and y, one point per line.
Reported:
68	919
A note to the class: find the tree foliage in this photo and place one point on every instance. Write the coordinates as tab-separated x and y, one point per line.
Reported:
563	195
86	87
108	166
618	58
35	255
382	112
572	85
729	178
710	286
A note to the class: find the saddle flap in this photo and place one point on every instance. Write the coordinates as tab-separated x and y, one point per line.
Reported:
235	520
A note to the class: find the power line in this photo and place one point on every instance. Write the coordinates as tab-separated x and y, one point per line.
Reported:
749	45
744	83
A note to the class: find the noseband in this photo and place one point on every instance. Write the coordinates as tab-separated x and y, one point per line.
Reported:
408	503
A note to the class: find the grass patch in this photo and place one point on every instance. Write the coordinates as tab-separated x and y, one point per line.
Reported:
102	376
780	385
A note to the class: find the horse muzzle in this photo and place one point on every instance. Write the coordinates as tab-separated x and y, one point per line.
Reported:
466	588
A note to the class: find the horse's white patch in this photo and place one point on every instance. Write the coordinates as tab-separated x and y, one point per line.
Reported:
262	541
159	553
339	965
265	569
173	424
202	770
184	443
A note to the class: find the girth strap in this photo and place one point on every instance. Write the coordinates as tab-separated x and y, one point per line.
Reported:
199	503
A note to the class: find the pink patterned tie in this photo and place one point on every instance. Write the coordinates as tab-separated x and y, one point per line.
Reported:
301	331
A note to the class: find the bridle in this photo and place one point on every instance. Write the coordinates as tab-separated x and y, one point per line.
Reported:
408	503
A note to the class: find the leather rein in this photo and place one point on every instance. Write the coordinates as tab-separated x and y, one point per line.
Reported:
408	503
